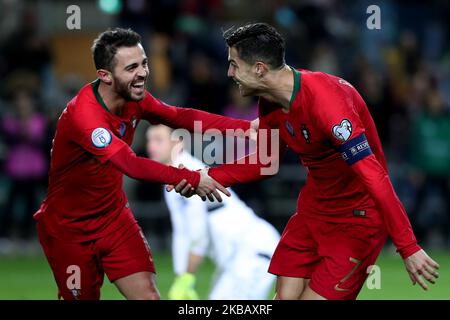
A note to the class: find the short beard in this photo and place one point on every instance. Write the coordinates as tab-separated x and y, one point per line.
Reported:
122	90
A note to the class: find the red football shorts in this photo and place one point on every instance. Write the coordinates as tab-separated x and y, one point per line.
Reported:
79	268
335	256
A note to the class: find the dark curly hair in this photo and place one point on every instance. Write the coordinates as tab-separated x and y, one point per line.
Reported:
257	42
105	46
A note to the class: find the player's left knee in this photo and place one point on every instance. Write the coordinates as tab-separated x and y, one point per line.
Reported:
310	294
149	295
139	286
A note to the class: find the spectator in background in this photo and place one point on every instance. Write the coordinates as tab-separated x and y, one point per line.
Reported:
240	107
374	90
246	108
325	59
430	157
24	132
205	91
25	49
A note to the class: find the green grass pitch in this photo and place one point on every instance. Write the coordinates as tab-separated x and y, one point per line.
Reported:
30	278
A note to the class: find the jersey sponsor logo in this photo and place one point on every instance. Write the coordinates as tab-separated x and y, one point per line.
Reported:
306	134
342	131
101	137
289	128
122	129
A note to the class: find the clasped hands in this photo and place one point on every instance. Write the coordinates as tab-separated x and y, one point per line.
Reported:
207	188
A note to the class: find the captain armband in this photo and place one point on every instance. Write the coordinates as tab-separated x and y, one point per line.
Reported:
355	149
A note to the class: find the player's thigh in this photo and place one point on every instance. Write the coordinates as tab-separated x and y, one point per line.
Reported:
310	294
290	288
128	263
347	251
294	259
75	268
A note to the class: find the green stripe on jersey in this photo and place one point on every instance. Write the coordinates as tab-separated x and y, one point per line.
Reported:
297	83
95	84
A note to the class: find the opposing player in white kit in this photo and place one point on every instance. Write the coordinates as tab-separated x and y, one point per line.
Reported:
239	242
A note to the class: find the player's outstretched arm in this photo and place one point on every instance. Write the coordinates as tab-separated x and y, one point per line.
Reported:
158	112
260	165
203	189
227	175
208	187
126	161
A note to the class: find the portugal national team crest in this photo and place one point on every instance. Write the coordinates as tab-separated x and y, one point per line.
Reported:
290	128
343	131
133	122
306	134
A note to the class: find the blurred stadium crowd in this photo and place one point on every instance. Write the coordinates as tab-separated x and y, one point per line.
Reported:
401	70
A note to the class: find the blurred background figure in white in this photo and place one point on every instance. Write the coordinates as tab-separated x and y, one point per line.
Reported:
239	242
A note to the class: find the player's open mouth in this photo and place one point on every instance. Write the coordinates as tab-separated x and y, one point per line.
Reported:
139	85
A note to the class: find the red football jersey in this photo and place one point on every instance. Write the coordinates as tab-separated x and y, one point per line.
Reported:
329	126
82	184
327	112
85	196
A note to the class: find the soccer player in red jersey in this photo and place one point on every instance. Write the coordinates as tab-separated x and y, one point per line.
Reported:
85	225
348	206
